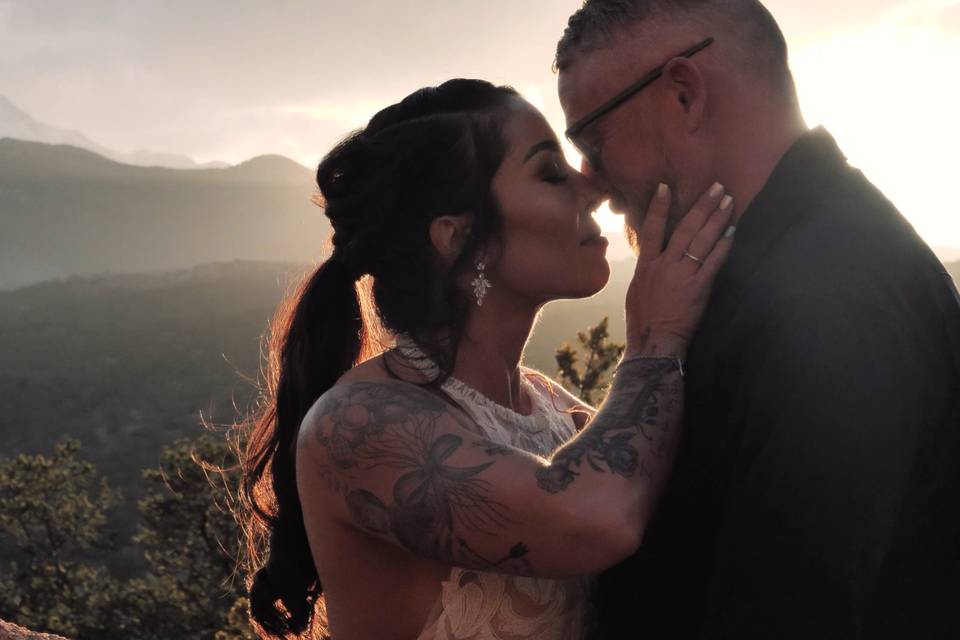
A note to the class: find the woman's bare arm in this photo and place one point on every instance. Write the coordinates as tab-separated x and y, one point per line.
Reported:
406	469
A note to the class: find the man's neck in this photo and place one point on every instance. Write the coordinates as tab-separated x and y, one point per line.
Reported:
752	154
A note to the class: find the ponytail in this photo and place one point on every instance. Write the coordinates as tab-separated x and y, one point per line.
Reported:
317	335
433	153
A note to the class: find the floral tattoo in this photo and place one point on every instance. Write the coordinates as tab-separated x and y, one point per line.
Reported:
375	425
641	413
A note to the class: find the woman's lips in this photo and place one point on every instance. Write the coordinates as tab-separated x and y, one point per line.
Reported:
595	241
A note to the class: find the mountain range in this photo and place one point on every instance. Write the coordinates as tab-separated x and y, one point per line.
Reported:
67	211
17	123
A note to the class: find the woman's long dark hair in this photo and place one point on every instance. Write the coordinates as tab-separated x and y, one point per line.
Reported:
433	154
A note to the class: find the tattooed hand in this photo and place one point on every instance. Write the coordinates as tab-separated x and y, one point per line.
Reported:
401	466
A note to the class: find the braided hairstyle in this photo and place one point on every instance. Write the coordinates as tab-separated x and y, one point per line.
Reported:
435	153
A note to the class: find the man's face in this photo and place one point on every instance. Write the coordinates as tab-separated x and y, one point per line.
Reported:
637	145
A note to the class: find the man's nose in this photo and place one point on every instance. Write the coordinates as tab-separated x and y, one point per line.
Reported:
586	169
595	178
597	189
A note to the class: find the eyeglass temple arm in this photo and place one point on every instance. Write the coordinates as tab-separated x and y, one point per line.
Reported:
618	99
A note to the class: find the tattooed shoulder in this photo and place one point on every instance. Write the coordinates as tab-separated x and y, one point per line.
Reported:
401	432
350	416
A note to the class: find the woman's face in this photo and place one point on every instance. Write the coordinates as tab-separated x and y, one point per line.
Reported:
552	248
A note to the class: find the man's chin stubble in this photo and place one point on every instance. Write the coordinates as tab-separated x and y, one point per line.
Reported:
633	221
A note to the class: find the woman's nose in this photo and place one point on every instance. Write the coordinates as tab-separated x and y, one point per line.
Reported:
585	168
596	186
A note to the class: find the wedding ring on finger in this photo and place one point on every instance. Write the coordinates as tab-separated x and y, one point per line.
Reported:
687	254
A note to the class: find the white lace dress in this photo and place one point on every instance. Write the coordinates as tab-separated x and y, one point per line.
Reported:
475	605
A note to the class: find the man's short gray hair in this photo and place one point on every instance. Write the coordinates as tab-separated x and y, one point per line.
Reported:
759	38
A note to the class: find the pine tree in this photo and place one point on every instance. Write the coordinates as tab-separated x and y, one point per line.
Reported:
54	519
191	542
589	382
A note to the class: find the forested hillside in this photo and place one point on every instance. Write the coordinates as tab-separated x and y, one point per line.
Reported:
954	269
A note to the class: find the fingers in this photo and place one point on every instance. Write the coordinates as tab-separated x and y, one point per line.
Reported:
655	224
691	224
717	257
706	239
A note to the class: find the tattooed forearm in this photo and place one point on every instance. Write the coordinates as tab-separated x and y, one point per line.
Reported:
375	426
633	431
493	449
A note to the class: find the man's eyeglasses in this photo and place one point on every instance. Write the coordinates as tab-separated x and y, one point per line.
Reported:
573	133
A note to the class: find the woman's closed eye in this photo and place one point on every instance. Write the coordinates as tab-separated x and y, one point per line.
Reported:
554	172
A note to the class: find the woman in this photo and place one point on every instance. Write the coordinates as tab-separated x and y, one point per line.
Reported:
439	489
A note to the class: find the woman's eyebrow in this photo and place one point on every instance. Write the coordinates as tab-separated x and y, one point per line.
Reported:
546	145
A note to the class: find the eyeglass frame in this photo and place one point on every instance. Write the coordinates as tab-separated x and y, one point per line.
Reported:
649	78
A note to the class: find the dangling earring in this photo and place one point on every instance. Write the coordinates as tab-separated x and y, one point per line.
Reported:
480	283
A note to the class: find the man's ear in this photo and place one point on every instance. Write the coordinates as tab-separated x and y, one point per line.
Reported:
448	235
687	91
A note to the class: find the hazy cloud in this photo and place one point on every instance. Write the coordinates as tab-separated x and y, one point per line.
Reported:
223	79
157	73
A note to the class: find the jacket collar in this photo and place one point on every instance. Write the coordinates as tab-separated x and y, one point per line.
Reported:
795	184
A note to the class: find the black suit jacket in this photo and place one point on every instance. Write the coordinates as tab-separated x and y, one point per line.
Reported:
816	493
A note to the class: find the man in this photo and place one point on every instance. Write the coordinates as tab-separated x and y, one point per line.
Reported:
817	489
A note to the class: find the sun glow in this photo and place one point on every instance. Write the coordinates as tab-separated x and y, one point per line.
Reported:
348	114
888	94
608	220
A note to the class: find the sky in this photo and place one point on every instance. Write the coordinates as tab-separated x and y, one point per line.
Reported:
229	80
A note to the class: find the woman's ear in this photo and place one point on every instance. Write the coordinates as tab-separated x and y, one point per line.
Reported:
448	235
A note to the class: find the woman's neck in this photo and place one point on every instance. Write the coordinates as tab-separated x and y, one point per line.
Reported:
489	354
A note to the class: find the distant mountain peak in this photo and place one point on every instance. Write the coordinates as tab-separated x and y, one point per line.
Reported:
17	123
274	167
271	160
7	108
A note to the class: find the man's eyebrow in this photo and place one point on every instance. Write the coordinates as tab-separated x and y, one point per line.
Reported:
546	145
